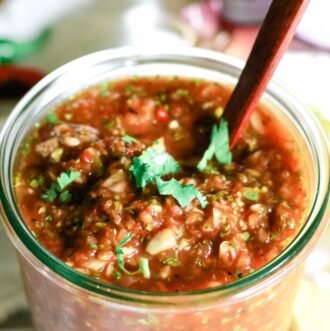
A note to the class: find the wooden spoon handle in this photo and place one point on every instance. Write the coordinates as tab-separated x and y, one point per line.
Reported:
273	39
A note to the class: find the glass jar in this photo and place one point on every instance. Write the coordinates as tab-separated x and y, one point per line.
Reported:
63	299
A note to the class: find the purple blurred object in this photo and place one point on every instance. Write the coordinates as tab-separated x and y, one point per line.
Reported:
203	17
245	11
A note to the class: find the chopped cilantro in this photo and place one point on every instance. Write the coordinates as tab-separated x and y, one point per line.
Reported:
117	275
38	181
48	218
219	146
104	89
52	118
230	198
273	236
128	139
63	181
251	193
184	194
144	263
182	93
152	163
130	89
245	236
162	97
65	196
26	147
92	246
67	178
109	125
51	194
172	261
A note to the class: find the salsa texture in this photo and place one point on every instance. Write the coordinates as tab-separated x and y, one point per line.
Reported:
132	182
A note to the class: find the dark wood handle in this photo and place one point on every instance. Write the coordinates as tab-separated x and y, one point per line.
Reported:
273	39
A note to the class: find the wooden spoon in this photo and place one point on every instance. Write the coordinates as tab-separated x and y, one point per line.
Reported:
273	39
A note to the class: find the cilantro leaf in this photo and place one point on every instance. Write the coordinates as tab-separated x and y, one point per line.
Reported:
57	188
65	196
51	194
144	263
66	178
184	194
52	118
151	164
218	147
251	193
128	139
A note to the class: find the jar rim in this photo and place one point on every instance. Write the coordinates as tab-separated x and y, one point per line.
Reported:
23	239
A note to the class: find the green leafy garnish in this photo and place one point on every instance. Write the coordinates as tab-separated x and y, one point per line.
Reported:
117	275
251	193
38	181
51	194
171	261
184	194
128	139
182	93
65	196
109	125
104	89
218	147
144	263
152	163
65	179
52	118
48	218
245	236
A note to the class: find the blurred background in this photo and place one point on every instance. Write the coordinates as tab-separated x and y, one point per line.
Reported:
37	36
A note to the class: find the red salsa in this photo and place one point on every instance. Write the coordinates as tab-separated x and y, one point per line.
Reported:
132	182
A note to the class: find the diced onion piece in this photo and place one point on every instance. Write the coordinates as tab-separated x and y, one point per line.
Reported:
117	182
162	241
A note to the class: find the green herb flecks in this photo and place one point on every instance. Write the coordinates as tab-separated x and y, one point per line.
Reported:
92	246
51	194
109	125
219	146
65	196
104	89
26	147
144	263
245	236
37	182
152	163
57	189
171	261
182	93
251	193
66	178
128	139
52	118
184	194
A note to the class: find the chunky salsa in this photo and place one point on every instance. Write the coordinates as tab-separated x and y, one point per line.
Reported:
132	182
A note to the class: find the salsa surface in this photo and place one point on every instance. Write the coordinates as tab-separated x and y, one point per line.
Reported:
79	186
